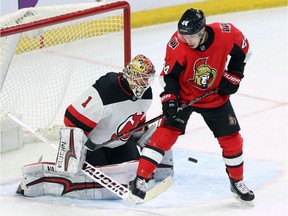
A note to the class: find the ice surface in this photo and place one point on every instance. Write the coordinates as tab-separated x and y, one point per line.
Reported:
199	188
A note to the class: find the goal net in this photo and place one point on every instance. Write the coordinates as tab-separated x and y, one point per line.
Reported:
50	55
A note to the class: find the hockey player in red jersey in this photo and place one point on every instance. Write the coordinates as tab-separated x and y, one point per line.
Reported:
115	103
195	63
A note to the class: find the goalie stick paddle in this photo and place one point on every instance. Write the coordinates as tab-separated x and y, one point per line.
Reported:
101	178
95	174
122	191
93	147
158	189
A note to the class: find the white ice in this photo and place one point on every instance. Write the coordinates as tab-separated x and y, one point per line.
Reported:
199	188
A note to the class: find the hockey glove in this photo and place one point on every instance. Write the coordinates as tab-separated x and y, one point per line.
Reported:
169	105
229	83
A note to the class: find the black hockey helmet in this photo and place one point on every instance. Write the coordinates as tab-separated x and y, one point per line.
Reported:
191	22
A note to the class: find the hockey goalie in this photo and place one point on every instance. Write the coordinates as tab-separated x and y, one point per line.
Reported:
114	104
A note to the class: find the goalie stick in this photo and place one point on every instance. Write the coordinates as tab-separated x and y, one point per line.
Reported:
122	191
101	178
92	146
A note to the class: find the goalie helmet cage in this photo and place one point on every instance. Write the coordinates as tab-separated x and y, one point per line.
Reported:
50	55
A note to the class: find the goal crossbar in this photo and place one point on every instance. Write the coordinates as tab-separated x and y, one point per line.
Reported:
70	16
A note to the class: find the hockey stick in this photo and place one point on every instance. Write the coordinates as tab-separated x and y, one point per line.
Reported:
122	191
92	146
101	178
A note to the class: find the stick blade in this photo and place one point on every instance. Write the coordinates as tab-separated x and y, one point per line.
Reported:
158	189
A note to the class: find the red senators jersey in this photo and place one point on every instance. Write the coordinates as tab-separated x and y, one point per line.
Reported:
190	73
108	108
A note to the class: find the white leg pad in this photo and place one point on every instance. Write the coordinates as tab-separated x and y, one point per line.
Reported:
33	175
165	168
41	179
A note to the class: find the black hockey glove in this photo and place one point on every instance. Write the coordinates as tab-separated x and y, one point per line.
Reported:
169	105
229	83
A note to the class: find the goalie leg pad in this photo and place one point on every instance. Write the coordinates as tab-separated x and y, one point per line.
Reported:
41	179
165	168
71	152
32	181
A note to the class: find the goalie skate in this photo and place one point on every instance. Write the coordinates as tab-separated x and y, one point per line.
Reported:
242	193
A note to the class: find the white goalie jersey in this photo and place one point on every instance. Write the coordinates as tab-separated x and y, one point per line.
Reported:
107	109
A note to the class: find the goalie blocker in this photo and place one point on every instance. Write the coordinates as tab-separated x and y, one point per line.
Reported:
63	178
71	152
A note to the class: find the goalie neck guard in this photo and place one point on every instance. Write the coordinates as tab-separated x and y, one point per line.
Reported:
139	73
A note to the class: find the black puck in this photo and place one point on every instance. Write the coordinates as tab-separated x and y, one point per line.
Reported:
192	160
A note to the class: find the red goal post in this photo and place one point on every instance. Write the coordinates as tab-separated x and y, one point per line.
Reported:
49	55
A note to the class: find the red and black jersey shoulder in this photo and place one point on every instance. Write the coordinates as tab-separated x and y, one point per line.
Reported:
113	88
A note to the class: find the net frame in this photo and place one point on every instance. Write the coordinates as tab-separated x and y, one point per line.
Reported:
34	26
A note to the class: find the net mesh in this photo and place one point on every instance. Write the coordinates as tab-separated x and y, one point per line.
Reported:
47	68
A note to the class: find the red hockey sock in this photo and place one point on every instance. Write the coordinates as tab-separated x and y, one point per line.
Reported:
232	155
145	168
235	173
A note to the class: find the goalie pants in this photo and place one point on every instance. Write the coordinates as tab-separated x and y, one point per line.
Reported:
129	152
222	122
106	156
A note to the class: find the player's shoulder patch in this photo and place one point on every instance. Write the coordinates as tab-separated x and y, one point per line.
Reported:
225	27
221	27
173	43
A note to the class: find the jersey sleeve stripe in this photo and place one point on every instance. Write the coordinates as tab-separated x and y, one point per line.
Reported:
79	120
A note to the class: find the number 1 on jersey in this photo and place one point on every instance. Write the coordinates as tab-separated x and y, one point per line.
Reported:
87	101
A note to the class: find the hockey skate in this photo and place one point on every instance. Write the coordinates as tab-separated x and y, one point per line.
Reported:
242	193
138	189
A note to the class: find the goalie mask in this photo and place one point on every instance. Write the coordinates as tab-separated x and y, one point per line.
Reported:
139	73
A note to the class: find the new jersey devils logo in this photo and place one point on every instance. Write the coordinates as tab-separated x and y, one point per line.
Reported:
130	123
204	75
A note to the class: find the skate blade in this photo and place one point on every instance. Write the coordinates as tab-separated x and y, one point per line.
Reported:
243	202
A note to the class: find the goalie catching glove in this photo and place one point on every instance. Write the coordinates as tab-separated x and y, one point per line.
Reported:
145	137
229	83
